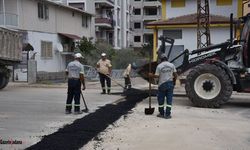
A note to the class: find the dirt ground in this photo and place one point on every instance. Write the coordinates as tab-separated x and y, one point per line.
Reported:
190	128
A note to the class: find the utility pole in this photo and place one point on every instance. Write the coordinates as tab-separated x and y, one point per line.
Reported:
203	24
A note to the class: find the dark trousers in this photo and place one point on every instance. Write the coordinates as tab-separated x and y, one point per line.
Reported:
165	90
74	91
104	78
127	82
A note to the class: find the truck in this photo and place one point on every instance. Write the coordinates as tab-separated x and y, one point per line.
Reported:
10	53
214	72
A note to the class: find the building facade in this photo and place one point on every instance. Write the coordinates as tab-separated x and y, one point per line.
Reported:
179	21
50	28
144	11
112	22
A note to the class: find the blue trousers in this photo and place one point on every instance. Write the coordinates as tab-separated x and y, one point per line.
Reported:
74	91
165	90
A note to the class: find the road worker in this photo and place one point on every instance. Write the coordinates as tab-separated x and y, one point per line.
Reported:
75	73
166	72
127	79
104	69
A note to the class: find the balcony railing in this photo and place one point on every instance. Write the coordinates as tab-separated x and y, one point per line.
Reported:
105	3
8	19
155	3
107	22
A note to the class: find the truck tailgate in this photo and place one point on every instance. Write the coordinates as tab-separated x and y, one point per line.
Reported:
10	45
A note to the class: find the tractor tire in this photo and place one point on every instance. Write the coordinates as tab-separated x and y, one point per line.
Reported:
4	80
209	86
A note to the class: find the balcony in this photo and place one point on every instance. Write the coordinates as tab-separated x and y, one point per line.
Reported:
104	22
150	3
151	17
8	19
104	3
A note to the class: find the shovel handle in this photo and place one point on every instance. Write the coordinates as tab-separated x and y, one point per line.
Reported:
150	88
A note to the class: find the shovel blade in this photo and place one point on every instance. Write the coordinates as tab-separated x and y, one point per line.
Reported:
149	111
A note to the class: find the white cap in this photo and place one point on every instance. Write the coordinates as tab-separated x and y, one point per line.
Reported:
103	54
78	55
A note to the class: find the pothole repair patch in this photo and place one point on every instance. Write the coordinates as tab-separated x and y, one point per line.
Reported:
81	131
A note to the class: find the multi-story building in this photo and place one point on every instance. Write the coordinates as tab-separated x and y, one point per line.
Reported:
112	22
50	28
179	21
87	6
144	11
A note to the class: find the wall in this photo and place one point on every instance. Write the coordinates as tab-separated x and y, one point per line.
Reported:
56	64
189	37
191	7
60	20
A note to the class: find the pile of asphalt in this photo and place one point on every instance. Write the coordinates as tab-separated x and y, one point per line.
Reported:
81	131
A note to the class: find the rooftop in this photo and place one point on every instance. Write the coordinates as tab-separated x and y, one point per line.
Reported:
190	19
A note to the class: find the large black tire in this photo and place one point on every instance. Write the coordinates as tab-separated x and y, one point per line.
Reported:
4	80
209	86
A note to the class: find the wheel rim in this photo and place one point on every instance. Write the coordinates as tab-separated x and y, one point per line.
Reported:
207	86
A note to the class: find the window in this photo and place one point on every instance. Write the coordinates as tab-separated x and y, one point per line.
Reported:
223	2
137	11
174	34
43	11
178	3
85	21
46	49
150	11
137	25
137	38
78	5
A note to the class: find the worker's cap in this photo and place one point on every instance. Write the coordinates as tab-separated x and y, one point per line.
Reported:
164	56
103	54
78	55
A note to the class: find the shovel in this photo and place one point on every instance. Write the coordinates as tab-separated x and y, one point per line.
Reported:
114	80
150	110
86	107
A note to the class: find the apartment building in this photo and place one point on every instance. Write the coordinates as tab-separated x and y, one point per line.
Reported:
112	22
50	28
87	6
144	11
179	21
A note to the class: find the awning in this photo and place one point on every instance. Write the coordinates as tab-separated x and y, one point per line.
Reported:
27	47
71	36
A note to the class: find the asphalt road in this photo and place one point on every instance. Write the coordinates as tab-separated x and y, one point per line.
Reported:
27	114
190	128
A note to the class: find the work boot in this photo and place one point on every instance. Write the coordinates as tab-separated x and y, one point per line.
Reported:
108	92
67	112
103	92
168	117
160	115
